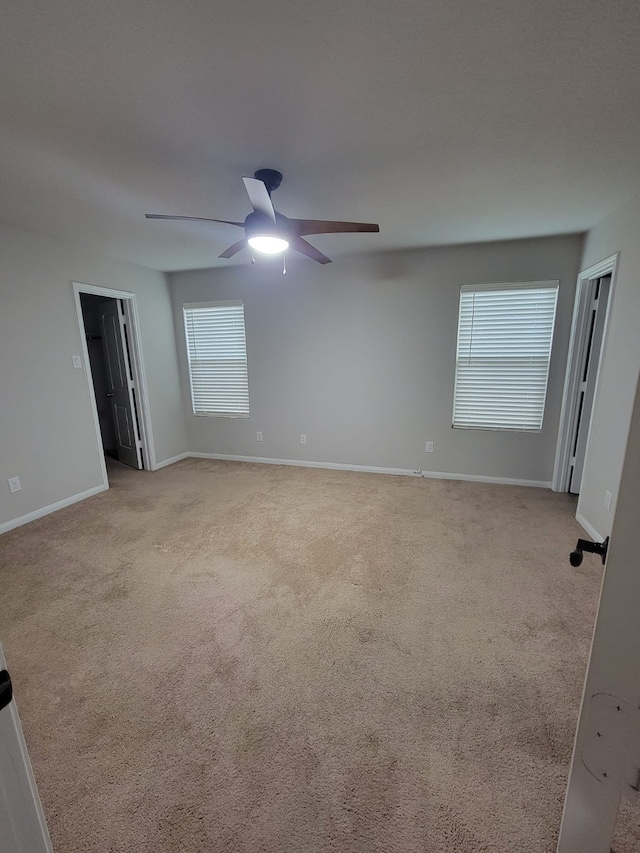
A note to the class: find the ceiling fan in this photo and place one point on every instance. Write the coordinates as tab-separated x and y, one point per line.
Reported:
270	232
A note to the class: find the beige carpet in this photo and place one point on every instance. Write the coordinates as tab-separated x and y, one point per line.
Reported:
254	659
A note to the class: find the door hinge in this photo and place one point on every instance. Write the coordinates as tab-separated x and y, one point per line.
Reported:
612	744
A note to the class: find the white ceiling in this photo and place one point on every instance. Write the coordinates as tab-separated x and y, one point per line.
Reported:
445	121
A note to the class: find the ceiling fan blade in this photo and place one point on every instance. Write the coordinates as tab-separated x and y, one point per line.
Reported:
191	218
310	251
233	250
259	197
323	226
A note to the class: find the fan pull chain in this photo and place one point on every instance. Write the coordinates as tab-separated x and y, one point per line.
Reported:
253	259
284	265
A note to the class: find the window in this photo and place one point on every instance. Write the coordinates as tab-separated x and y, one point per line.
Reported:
217	356
505	333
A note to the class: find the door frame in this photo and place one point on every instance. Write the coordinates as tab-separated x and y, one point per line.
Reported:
577	347
137	368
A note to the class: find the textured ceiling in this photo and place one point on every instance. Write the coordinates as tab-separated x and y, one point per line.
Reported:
444	120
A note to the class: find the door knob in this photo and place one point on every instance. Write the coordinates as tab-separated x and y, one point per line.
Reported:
109	393
575	557
6	690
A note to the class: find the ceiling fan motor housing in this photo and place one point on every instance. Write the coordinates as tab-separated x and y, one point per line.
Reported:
258	223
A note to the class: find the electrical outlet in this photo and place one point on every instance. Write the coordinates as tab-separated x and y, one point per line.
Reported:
77	361
14	484
607	500
428	447
303	438
259	435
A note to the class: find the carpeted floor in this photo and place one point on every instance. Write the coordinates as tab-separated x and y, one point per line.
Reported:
255	659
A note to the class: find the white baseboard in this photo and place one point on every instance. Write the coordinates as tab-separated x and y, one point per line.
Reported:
301	463
170	461
371	469
45	510
590	529
485	478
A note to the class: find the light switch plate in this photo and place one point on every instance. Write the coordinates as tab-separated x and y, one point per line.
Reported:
14	484
428	447
77	361
259	435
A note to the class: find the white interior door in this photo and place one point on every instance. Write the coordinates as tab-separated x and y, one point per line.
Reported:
22	825
120	390
606	758
587	389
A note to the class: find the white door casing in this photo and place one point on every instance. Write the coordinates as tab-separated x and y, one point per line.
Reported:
575	362
137	366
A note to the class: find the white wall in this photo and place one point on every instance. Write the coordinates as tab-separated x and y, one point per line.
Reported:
360	356
47	434
620	366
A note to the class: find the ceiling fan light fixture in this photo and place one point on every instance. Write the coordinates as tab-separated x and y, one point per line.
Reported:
272	233
268	244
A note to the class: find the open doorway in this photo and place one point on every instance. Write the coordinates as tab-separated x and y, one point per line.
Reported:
588	337
113	360
598	300
112	377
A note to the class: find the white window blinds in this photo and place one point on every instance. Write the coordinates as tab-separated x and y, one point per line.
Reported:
505	333
217	356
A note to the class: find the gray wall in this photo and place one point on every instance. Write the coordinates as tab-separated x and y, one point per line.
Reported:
620	365
360	356
47	435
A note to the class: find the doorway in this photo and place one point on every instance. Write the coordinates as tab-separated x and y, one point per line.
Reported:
594	294
111	374
115	376
598	300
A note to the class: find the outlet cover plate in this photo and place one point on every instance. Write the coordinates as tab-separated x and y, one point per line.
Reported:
428	447
303	438
259	435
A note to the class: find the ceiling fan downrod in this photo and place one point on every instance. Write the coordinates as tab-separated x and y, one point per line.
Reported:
271	178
